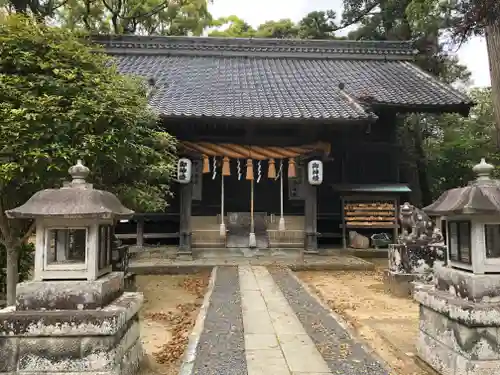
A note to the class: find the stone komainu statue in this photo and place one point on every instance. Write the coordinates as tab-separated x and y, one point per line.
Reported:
417	226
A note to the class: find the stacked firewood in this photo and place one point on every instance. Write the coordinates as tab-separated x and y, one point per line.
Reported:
366	214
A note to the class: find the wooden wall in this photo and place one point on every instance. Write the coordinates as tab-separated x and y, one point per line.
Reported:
361	154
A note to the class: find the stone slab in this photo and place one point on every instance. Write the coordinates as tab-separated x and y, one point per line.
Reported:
69	295
301	353
120	354
435	354
473	343
447	362
104	322
466	284
259	341
36	356
163	266
468	313
266	362
275	340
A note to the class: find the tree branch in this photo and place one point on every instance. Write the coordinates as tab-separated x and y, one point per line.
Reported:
359	17
152	12
4	226
28	234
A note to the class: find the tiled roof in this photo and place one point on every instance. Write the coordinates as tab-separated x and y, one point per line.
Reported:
280	79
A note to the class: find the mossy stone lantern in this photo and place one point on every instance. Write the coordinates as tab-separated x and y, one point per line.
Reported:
73	228
472	215
459	311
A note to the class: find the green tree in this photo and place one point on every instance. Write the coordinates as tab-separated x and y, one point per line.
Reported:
151	17
454	144
281	29
463	18
59	102
388	20
315	25
232	26
318	25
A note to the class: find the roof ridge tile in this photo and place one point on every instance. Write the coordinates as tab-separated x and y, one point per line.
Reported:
401	50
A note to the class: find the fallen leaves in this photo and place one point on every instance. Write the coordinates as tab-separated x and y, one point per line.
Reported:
196	285
179	321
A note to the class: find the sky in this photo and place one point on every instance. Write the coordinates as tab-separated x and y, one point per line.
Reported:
473	53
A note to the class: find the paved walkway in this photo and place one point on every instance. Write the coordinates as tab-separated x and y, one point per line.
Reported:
262	321
275	340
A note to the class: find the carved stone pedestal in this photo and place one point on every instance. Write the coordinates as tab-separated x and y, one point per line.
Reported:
409	263
459	324
399	284
72	327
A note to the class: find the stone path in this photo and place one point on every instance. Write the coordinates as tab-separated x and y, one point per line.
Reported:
275	340
263	322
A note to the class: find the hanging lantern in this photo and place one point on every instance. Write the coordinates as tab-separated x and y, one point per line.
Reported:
315	172
184	171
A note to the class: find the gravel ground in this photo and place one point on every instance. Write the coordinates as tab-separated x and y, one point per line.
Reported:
342	354
221	349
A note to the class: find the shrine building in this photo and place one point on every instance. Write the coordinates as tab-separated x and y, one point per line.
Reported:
252	114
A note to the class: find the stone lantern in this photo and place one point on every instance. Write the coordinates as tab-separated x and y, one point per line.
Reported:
73	228
460	312
74	317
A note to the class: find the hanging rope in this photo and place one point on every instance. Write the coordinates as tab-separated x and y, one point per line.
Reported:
214	166
222	213
238	167
281	224
280	171
259	171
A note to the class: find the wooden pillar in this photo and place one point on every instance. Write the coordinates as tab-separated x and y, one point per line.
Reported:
140	232
310	218
186	198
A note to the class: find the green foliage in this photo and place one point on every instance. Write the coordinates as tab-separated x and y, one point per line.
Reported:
281	29
163	17
232	26
463	17
315	25
318	25
388	20
61	101
454	144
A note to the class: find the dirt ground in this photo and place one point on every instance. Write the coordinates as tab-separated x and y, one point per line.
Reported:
171	305
388	324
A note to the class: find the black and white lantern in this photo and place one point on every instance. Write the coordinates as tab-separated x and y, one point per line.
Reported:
184	170
315	172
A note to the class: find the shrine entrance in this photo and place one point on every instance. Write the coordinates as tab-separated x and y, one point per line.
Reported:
239	227
245	184
238	200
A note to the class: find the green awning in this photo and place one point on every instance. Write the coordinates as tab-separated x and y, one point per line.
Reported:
372	188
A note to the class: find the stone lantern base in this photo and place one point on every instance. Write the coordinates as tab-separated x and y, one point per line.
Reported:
72	327
460	323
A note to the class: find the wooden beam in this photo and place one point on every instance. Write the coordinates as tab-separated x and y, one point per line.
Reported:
140	233
310	216
128	236
186	197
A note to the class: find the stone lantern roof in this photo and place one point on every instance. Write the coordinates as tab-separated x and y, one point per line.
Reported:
76	199
481	196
